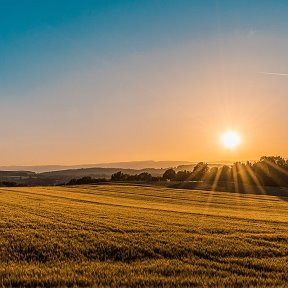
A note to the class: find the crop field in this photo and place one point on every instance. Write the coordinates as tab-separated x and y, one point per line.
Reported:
136	236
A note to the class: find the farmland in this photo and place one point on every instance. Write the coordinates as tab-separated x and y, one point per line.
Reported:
137	236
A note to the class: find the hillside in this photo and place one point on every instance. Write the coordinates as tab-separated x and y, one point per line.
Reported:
17	176
123	165
63	176
121	235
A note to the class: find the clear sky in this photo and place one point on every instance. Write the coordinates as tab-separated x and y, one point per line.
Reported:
103	81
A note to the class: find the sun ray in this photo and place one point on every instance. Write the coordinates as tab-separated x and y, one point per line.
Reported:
245	180
274	177
236	181
216	180
255	180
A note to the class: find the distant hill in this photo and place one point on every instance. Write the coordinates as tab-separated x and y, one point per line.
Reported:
15	175
144	164
125	165
46	175
189	167
63	176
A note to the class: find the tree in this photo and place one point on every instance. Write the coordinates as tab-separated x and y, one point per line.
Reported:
183	175
169	174
144	176
211	176
225	174
119	176
199	171
274	170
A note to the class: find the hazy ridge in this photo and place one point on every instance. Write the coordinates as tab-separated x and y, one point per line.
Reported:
126	165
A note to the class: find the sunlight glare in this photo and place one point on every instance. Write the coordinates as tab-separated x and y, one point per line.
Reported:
230	139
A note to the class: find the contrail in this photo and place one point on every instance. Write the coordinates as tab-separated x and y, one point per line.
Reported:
274	73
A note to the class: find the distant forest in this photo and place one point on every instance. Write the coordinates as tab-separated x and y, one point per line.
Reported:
268	171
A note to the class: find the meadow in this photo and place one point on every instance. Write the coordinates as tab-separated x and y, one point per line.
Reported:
141	236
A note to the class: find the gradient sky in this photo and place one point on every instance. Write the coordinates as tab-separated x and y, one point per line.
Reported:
104	81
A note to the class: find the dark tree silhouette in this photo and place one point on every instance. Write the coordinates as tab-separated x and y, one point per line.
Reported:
169	174
145	176
86	180
119	176
225	174
199	171
269	171
183	175
211	176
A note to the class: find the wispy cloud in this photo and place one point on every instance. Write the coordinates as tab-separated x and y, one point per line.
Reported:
274	73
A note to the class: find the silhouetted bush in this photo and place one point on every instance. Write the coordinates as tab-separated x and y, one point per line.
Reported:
86	180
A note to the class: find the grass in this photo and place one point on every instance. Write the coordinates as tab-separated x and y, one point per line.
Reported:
133	236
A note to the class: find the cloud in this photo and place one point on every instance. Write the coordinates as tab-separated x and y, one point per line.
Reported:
274	73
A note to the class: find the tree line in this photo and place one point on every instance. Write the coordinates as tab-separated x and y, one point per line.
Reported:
142	177
268	171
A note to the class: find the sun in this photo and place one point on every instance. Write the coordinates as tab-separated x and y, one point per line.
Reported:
230	139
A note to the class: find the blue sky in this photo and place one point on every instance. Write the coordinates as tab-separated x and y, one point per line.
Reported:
41	40
82	58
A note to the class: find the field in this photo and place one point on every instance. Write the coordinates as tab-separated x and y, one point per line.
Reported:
136	236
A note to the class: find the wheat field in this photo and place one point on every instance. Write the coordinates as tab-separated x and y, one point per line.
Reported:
136	236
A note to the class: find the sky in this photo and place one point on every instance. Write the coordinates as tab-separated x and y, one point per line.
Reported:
107	81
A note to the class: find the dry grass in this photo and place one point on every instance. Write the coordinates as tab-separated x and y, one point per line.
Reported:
132	236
